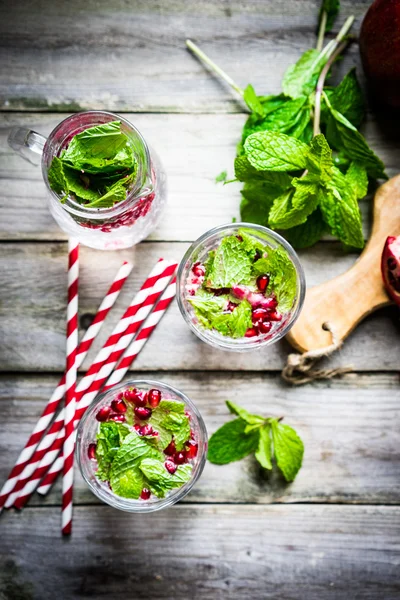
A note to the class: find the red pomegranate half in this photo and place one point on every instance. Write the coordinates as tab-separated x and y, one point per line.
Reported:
391	267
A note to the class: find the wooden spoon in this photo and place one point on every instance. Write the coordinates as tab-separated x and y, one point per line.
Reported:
345	300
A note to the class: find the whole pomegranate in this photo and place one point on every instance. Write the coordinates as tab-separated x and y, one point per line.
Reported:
380	51
390	266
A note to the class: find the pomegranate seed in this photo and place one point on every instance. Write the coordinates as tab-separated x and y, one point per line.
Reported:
170	466
262	282
251	332
198	269
103	414
170	449
239	237
145	495
138	398
143	413
118	406
191	450
179	458
188	415
231	306
138	427
264	326
192	434
146	430
120	396
154	398
92	451
391	263
275	316
118	418
259	313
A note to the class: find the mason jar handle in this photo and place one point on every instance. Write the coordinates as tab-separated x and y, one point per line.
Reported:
27	143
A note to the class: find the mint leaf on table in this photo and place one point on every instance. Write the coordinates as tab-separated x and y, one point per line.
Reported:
221	177
257	199
264	451
159	480
301	78
357	178
244	171
230	443
231	264
170	420
291	118
235	323
288	449
244	414
282	275
347	98
331	8
295	206
319	157
271	151
308	233
252	101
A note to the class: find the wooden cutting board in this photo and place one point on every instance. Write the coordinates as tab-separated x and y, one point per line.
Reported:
345	300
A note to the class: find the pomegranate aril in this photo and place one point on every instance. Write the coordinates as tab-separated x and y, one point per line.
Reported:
154	398
138	427
198	269
92	451
138	398
142	413
170	466
118	406
170	449
179	458
251	333
231	306
145	494
103	414
264	326
262	282
191	450
259	313
118	418
146	430
274	315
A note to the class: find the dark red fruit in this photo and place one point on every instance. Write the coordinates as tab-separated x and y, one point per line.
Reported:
138	427
179	458
92	451
231	306
146	430
259	314
154	398
274	315
264	326
142	413
118	418
103	414
390	266
170	449
198	269
118	406
191	450
145	494
170	466
251	333
262	282
138	398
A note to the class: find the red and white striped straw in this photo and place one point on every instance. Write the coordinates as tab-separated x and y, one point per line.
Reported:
50	445
58	394
70	384
128	358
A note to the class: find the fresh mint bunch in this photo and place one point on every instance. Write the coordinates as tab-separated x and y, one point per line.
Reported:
266	438
302	159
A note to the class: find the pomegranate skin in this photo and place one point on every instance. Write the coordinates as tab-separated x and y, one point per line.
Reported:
390	267
380	51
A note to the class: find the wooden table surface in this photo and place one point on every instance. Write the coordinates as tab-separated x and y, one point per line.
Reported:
334	532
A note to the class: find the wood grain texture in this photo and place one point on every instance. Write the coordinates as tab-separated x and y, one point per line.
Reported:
193	151
130	55
33	296
206	553
351	447
347	299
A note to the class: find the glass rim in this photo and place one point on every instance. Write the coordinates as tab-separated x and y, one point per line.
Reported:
230	343
74	207
153	504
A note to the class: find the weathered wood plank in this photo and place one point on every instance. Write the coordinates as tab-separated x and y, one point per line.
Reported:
349	428
206	553
193	151
132	56
32	319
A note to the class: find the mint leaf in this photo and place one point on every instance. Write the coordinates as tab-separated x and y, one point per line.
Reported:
257	199
263	453
77	185
252	101
122	161
293	208
288	449
357	179
56	177
348	99
235	323
300	79
116	193
221	177
291	117
109	438
244	414
102	141
319	158
126	479
282	275
169	419
230	443
244	171
206	306
308	233
159	480
331	8
231	265
271	151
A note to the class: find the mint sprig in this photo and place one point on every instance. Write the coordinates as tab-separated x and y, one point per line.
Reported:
266	438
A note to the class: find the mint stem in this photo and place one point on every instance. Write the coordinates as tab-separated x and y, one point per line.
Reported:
321	31
200	54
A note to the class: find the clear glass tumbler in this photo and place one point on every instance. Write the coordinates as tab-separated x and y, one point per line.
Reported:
198	252
127	222
86	435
